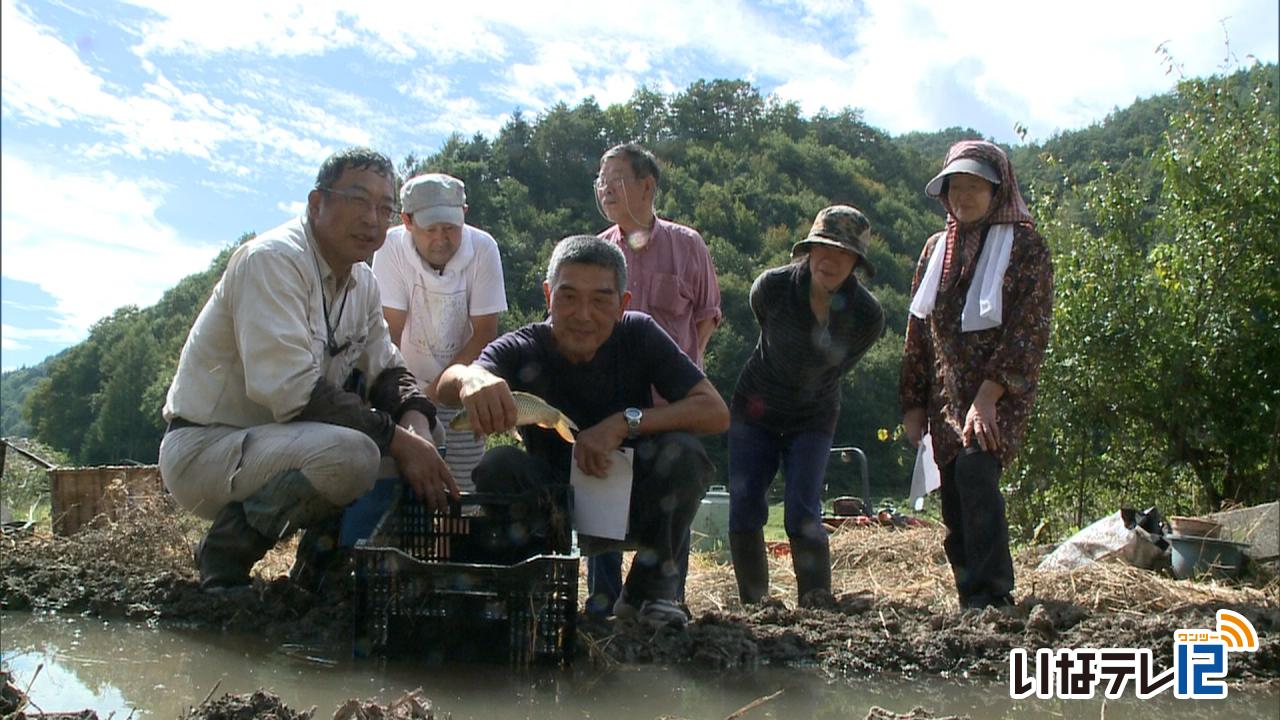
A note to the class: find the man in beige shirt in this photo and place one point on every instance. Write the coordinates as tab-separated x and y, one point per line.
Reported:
270	429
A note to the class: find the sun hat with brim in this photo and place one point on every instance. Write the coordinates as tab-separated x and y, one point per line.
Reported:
839	226
434	198
968	166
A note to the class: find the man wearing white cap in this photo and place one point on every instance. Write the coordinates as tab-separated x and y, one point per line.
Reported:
442	290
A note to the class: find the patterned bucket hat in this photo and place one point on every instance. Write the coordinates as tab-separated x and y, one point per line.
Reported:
840	226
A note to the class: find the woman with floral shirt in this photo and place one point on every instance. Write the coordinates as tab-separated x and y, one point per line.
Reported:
982	303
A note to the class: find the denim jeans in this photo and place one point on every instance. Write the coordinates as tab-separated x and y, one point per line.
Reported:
755	454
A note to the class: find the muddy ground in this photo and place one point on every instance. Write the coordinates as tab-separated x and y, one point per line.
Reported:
893	609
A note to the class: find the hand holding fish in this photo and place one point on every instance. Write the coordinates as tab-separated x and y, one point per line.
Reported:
529	410
487	405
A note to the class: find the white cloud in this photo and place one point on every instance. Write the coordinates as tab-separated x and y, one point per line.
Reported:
91	241
273	28
911	65
392	32
8	343
554	75
1050	66
609	50
292	208
11	338
162	118
439	110
227	188
55	89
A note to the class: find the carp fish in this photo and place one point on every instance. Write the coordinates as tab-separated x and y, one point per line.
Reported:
530	410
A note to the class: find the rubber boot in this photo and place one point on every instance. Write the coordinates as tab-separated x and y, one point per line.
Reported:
811	558
750	565
319	558
229	550
288	503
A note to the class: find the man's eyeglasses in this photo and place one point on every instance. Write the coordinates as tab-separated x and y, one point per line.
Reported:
614	182
387	214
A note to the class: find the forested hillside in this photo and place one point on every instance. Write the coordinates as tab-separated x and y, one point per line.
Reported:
1162	384
99	401
14	388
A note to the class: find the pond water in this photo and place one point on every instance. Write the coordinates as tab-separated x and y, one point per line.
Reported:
128	669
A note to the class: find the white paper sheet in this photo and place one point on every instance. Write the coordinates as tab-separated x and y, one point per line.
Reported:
925	478
601	505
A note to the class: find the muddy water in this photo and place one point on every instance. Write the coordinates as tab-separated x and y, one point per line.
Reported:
124	668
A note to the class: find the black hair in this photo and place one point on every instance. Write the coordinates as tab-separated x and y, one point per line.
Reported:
643	163
588	250
359	158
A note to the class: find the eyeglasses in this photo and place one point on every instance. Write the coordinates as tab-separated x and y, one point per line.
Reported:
387	214
614	181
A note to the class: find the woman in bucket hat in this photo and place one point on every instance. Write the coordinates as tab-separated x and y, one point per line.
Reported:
982	303
816	320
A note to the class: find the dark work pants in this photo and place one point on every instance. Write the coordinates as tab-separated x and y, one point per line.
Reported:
671	473
977	542
604	577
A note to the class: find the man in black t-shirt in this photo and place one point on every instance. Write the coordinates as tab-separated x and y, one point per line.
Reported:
599	364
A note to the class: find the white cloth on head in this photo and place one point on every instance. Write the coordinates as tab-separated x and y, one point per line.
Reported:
983	306
439	304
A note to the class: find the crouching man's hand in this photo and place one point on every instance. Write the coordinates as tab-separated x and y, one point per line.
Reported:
420	464
593	451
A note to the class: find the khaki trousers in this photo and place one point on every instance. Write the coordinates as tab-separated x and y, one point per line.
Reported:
205	468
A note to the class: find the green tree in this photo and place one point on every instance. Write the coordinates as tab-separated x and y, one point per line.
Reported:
1162	383
724	110
16	386
59	408
24	489
124	427
1216	286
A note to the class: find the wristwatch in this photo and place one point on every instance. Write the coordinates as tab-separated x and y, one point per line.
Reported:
632	416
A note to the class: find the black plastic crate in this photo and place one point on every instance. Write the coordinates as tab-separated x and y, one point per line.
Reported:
456	586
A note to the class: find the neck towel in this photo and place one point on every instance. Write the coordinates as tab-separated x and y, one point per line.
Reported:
983	305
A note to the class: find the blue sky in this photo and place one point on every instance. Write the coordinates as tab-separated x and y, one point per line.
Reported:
140	138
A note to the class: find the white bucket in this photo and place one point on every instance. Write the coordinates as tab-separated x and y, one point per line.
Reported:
711	523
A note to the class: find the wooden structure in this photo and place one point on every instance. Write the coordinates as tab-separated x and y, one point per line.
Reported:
77	495
6	444
80	494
